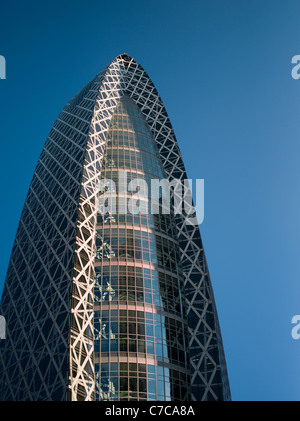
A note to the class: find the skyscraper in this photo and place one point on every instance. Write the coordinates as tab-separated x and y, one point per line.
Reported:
104	301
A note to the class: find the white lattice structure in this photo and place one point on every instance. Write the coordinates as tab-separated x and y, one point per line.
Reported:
48	295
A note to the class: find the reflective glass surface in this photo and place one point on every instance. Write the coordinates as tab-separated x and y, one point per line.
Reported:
140	324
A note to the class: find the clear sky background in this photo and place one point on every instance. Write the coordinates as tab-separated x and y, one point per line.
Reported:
223	70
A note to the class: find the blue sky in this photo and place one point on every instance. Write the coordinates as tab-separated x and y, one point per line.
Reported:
223	70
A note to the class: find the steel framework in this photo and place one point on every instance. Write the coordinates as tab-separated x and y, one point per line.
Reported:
48	296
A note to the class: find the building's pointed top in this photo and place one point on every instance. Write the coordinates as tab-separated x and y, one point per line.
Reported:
124	56
126	59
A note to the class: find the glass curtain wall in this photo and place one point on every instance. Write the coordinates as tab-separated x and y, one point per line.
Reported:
140	323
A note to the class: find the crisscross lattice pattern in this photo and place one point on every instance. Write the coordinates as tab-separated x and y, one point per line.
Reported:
48	295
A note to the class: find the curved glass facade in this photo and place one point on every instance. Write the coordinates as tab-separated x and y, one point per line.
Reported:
94	303
140	323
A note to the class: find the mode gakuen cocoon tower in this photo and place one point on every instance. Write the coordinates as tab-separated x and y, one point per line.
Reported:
115	305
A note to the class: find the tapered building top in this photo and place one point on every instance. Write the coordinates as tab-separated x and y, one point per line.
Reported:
90	299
